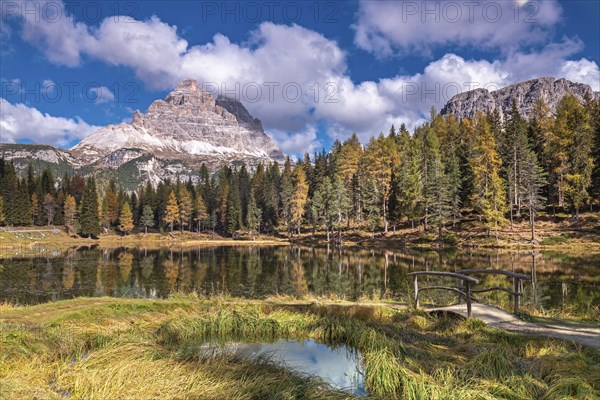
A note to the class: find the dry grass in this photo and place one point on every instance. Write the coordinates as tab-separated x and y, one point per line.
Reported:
130	349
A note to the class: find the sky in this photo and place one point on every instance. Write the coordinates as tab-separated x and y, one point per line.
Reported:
312	71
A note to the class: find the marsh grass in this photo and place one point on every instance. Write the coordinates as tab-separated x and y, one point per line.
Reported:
129	349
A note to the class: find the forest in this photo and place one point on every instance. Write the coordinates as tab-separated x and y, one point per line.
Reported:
501	169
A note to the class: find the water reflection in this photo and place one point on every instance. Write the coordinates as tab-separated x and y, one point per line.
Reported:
340	367
558	281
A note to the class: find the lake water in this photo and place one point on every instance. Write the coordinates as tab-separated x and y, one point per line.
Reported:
339	366
567	282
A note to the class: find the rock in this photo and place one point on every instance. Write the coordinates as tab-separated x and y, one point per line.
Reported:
525	94
186	124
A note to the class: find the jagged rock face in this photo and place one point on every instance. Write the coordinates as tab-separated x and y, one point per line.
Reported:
525	94
188	123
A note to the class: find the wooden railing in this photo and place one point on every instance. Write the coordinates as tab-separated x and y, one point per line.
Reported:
466	283
517	283
466	280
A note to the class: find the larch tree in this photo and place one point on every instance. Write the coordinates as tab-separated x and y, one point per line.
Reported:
200	212
488	187
171	211
184	200
299	198
70	211
378	162
126	219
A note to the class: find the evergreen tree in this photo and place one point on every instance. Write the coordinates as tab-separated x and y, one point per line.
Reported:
126	219
88	214
36	210
234	208
147	218
533	182
254	215
372	204
171	211
411	185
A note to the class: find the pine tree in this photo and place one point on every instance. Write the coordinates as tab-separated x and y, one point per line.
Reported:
411	185
147	218
488	188
372	204
49	208
171	211
126	219
70	211
36	210
439	195
533	182
571	145
299	198
88	214
234	208
254	215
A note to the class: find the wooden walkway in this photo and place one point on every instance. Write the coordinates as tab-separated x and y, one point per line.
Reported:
498	318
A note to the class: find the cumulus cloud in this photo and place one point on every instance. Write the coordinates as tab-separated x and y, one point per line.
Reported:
19	122
100	95
388	27
293	78
297	143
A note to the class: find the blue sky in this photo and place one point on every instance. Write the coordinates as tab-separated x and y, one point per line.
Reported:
312	71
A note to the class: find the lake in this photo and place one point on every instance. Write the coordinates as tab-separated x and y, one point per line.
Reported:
561	282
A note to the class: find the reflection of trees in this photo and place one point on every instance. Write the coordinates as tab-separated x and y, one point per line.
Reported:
349	273
170	270
125	265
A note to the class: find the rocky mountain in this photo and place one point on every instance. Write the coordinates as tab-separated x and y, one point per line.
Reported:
171	140
525	94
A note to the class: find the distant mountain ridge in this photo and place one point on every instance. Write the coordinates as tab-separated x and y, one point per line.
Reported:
525	94
171	140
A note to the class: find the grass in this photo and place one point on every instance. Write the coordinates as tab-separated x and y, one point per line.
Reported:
130	349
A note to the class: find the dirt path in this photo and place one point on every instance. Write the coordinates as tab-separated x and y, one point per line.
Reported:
498	318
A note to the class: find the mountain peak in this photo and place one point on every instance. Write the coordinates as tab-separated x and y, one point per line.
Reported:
525	94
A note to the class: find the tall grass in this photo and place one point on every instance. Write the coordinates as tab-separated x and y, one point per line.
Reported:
118	348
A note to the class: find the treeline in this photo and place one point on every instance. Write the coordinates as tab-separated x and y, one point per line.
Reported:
501	170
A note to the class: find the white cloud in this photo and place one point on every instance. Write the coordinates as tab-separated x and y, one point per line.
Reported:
280	55
100	95
297	143
387	27
19	122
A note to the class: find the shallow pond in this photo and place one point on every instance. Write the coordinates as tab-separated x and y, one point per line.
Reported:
565	282
338	366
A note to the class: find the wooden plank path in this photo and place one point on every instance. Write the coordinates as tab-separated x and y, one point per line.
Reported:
498	318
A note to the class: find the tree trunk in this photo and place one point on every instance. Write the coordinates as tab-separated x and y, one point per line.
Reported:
532	225
145	229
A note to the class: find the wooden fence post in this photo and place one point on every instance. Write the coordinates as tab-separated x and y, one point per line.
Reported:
468	295
416	291
516	295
